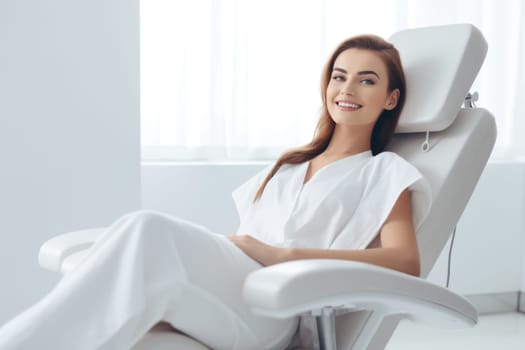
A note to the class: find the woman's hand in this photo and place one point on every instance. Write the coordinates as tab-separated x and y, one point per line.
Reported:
263	253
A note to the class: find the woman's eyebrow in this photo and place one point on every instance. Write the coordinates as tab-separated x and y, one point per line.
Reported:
363	72
340	70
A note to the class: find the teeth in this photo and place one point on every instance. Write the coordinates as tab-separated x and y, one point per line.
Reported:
346	104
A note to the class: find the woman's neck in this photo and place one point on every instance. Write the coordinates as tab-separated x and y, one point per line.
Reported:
348	140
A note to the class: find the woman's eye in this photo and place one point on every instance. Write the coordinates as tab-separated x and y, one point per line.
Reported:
338	78
367	82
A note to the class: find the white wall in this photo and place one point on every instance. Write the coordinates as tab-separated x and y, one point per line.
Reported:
200	192
69	129
487	252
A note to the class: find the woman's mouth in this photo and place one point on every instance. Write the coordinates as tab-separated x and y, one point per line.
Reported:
346	105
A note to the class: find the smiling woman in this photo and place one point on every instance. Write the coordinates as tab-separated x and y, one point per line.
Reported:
363	91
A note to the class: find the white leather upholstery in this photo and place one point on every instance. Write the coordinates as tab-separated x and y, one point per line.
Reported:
440	65
296	287
62	253
453	165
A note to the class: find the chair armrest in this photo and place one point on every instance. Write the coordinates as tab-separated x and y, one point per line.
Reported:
54	251
296	287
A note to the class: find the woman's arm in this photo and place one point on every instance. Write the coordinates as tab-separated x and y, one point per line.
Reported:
399	250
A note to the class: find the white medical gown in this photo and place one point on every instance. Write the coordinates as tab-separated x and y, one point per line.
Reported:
343	206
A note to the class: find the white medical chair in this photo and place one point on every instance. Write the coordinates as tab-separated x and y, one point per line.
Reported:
357	305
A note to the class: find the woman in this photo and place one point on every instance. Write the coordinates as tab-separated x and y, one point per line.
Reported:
331	198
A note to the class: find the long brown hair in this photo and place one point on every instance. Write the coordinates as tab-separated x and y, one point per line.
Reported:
385	124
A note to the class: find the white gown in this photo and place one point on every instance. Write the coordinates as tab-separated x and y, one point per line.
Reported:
150	266
343	206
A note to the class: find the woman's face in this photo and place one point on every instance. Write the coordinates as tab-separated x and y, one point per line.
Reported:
358	89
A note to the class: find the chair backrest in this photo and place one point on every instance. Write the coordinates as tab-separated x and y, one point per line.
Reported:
440	65
453	166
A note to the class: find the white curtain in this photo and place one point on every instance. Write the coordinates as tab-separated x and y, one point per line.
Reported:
230	80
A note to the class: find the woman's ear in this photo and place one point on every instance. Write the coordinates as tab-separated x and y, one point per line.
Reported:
391	101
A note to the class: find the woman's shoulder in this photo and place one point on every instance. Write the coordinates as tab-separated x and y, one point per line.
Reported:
387	162
388	156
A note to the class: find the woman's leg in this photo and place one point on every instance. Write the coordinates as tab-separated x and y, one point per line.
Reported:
208	304
118	283
147	267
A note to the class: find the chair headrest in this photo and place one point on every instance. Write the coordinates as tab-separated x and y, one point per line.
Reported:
440	65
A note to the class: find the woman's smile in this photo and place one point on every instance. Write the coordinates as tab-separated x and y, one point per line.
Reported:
347	106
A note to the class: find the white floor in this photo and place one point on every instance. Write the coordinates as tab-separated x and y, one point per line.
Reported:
497	331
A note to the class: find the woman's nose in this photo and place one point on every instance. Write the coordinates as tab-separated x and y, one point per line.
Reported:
347	89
